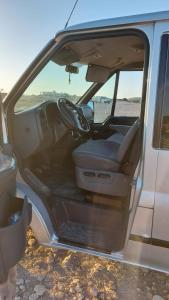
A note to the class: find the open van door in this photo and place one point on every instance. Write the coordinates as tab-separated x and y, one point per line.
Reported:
15	215
90	187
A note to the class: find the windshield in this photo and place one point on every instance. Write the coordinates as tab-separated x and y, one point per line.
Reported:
52	83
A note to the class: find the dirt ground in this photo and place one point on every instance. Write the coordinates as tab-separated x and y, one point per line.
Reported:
123	108
58	274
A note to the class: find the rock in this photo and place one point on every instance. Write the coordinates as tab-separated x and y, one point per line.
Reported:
40	277
71	290
59	295
39	289
33	297
110	297
79	297
49	259
19	281
149	296
22	287
101	296
18	298
157	297
93	292
31	242
61	287
78	289
27	281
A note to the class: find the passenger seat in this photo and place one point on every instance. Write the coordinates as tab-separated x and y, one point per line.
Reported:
98	163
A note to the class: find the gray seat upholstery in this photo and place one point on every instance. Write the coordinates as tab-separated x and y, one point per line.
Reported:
97	155
98	162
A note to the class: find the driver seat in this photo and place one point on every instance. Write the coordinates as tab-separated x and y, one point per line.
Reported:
98	163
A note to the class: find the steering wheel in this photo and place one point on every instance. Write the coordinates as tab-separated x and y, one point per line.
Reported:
73	116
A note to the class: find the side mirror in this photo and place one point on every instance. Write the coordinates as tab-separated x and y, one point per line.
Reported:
91	104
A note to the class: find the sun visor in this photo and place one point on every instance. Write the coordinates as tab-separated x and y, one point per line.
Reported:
65	56
97	74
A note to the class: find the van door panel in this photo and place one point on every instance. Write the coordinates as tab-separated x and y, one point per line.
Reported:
12	230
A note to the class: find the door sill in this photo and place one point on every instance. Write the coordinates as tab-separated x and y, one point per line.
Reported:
56	244
136	254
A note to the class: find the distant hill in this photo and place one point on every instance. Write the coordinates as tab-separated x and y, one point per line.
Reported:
103	99
27	101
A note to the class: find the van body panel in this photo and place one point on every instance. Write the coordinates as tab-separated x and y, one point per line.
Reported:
142	225
161	209
151	220
122	21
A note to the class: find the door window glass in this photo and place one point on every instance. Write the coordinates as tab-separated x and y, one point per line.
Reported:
161	124
103	101
129	94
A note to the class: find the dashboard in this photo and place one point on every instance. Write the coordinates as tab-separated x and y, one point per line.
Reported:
37	128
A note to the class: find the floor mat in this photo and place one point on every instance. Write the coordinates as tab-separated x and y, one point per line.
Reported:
62	184
80	233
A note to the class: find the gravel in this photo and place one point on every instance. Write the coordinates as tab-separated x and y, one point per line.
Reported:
45	273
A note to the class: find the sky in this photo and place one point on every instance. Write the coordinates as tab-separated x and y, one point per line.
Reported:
27	25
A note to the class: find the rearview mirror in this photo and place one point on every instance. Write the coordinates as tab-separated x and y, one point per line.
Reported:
72	69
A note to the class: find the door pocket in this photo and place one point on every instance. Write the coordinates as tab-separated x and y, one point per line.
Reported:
13	234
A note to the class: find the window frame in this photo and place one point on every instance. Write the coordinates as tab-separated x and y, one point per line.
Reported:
54	45
116	86
162	90
96	87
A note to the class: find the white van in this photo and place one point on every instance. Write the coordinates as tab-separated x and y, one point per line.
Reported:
88	126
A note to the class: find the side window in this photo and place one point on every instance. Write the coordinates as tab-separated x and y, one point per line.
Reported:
161	123
129	94
103	101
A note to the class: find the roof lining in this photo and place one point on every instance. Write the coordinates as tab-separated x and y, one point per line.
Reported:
111	52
